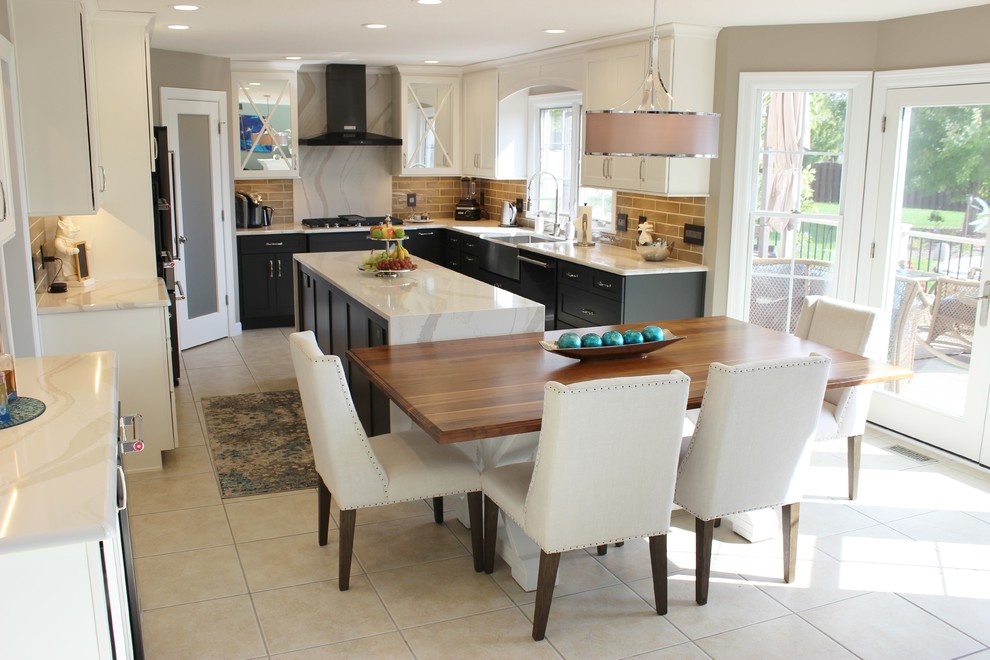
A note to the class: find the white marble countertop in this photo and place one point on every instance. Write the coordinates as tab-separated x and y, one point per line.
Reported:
58	471
430	303
106	295
613	259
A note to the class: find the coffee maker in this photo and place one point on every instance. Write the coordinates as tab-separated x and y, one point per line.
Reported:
468	207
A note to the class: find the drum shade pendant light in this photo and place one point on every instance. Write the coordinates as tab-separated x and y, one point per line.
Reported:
650	130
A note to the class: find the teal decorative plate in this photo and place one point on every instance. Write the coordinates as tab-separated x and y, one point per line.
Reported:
24	409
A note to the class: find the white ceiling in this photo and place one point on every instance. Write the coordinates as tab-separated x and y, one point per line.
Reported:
461	32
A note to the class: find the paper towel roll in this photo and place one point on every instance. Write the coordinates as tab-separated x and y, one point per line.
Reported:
584	224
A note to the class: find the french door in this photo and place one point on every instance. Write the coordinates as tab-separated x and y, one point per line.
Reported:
929	174
202	254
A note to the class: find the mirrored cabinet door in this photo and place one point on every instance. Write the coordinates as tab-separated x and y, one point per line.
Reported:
430	111
266	135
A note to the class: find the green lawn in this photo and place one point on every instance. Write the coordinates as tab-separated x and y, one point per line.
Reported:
917	218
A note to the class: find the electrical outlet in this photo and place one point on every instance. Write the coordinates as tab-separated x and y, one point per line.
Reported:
411	200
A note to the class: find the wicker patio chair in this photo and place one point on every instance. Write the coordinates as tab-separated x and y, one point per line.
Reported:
911	309
771	295
953	319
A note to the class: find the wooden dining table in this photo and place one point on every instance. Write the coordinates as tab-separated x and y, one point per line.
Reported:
485	387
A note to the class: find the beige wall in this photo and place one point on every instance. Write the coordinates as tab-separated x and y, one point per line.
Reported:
946	38
186	70
4	20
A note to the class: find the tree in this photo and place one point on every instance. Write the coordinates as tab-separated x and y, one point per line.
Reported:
949	151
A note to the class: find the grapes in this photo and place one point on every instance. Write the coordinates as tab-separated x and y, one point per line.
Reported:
396	264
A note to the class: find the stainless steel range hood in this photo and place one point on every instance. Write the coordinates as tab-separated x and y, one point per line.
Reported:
347	110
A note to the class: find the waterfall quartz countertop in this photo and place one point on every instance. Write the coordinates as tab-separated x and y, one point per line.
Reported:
106	295
58	482
430	303
620	261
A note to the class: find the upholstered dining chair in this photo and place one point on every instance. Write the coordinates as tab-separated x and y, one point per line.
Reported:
604	472
362	471
855	329
752	438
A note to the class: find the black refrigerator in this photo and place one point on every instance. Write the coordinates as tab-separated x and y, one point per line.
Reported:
162	193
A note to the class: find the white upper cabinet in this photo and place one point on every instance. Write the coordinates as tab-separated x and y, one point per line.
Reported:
58	116
494	130
266	139
8	209
687	67
429	113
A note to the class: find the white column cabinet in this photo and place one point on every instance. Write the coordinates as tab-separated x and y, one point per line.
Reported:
8	128
58	116
495	131
480	123
687	66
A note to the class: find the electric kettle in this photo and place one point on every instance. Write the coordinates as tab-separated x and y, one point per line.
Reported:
508	214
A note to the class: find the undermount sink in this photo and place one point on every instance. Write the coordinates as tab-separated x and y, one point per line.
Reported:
523	238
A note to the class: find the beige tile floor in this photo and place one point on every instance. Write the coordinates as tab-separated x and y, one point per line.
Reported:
903	572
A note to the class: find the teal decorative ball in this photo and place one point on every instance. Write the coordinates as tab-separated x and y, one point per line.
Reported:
652	333
569	340
612	338
591	340
632	337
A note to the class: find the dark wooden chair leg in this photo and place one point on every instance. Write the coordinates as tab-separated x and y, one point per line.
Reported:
491	531
544	592
620	544
438	510
323	511
789	516
347	521
603	549
718	523
658	561
477	542
704	531
855	450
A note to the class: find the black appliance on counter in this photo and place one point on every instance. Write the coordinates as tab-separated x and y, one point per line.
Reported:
349	220
250	211
166	244
468	207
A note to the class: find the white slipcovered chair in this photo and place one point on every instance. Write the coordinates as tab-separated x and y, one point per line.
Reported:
855	329
604	472
364	472
753	436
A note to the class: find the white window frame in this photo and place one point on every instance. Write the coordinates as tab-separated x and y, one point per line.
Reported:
556	100
858	84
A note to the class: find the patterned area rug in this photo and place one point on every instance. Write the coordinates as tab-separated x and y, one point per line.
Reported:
259	443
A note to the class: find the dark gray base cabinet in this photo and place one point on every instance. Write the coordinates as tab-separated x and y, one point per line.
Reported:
341	323
266	271
429	244
589	297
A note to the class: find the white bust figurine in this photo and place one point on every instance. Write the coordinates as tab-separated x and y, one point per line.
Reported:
66	238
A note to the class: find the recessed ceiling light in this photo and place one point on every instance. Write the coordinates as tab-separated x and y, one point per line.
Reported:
431	61
254	84
178	27
428	2
292	57
185	7
375	26
555	31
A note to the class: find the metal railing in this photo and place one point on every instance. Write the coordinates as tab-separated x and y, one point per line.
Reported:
955	256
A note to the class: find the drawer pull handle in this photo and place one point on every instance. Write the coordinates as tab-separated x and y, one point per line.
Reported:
588	312
427	233
572	276
603	285
274	244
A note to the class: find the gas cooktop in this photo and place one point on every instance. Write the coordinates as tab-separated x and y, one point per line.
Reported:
349	221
